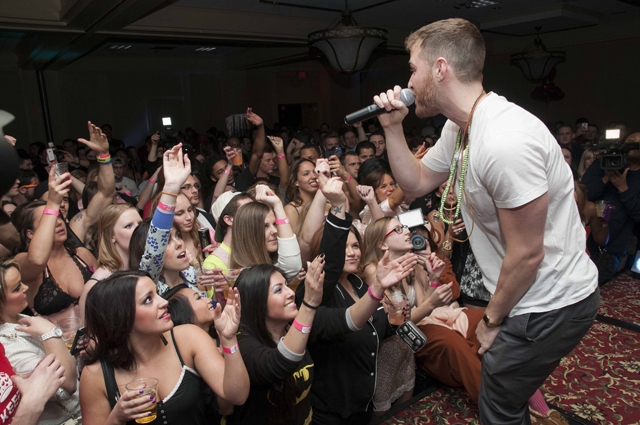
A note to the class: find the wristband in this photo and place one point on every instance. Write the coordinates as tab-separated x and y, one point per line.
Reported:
175	195
166	208
49	211
434	284
349	179
105	162
372	295
281	156
302	328
151	180
309	305
230	350
104	156
226	171
280	221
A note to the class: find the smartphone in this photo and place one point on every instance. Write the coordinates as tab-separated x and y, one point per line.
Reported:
79	337
585	126
205	239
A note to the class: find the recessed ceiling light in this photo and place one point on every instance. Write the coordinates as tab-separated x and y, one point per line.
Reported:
483	3
205	49
119	47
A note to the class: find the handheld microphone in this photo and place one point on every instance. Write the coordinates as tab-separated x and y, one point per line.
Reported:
406	96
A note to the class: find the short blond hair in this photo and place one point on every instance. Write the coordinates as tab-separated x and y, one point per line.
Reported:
456	40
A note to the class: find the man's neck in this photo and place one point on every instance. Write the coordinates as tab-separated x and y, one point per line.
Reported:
119	179
459	101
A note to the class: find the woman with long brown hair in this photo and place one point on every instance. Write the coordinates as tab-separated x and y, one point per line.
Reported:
301	188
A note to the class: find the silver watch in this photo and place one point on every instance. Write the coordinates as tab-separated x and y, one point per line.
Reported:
53	333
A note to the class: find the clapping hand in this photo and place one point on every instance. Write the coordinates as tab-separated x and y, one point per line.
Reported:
314	281
391	272
227	321
432	264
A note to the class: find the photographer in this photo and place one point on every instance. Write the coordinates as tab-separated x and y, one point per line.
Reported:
621	190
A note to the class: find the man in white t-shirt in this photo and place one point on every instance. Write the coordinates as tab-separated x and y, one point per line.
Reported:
518	208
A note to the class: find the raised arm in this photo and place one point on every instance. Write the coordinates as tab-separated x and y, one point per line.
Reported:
337	169
283	166
34	261
362	136
312	222
106	184
410	173
258	141
147	192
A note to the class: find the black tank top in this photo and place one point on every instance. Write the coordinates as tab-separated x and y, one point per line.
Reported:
184	405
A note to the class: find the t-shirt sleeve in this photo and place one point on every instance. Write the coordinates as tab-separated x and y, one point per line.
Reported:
516	175
440	155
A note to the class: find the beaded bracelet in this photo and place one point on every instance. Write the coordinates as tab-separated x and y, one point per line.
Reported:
49	211
280	221
175	195
166	208
372	295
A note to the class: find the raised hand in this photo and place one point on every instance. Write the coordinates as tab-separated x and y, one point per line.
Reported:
58	187
367	194
332	190
230	153
253	118
396	110
176	168
10	139
98	141
265	195
227	321
155	138
336	167
278	144
390	272
314	280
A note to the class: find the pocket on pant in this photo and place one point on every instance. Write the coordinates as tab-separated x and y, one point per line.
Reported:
540	324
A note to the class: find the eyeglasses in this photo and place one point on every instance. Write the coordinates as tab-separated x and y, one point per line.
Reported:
398	229
189	186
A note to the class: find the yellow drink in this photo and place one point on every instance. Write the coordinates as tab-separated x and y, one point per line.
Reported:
396	318
154	414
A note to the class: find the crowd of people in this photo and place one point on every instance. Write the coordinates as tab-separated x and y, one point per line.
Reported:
251	274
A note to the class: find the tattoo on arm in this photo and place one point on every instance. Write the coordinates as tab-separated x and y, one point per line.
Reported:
78	217
336	210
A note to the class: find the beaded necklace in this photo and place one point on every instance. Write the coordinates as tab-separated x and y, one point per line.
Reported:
461	146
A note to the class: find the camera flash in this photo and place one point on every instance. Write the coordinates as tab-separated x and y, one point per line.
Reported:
166	121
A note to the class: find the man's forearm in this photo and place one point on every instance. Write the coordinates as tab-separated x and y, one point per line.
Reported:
516	277
28	412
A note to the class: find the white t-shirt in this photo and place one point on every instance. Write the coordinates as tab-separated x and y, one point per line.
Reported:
513	160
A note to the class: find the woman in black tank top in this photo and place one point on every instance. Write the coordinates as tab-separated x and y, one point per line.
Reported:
133	336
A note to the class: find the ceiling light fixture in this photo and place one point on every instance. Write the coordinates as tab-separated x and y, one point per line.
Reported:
347	45
537	63
120	47
205	49
475	4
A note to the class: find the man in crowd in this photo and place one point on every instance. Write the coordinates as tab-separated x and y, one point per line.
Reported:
621	190
351	162
518	200
349	140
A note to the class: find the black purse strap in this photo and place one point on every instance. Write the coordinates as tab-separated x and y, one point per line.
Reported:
113	394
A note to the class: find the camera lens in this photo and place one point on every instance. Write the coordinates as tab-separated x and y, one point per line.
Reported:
419	242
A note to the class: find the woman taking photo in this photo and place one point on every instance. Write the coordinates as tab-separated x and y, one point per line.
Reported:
302	187
261	234
53	270
28	340
134	338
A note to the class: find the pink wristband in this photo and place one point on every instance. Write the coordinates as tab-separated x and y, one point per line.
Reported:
166	208
349	179
434	284
226	171
49	211
302	328
104	156
230	350
151	180
372	295
282	221
282	156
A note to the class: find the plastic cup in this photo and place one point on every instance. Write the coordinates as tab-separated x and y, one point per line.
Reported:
149	387
69	327
231	276
600	208
397	302
60	168
237	160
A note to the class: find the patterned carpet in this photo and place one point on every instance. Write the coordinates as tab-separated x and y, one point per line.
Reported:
599	381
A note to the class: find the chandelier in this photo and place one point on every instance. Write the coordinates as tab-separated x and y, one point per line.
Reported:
537	63
347	45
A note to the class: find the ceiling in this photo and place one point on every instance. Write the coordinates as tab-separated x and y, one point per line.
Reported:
51	34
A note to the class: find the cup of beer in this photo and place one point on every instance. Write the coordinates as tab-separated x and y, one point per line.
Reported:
397	302
146	387
237	160
69	326
600	205
230	276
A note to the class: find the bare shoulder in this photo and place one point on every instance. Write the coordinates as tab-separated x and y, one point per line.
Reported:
86	256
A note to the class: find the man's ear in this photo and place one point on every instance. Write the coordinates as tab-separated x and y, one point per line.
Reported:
228	220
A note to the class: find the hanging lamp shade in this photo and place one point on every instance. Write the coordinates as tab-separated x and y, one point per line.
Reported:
347	45
537	63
